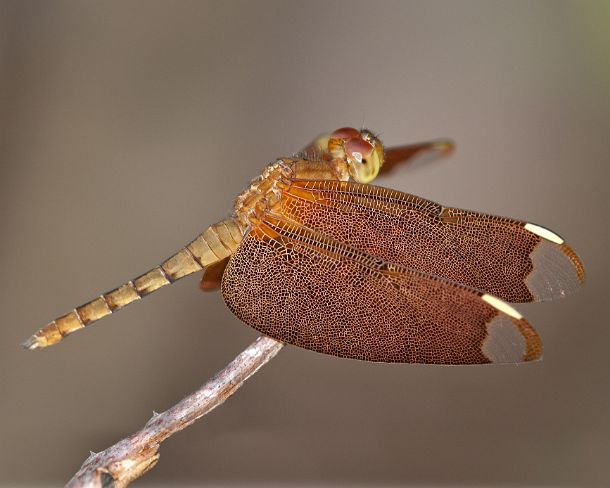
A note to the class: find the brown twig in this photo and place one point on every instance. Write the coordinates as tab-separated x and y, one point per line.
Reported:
130	458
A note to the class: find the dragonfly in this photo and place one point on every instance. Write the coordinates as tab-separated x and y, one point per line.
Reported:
316	256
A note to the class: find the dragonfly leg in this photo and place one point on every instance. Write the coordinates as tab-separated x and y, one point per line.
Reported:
415	153
212	275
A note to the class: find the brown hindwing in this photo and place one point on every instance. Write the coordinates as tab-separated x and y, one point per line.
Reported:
300	287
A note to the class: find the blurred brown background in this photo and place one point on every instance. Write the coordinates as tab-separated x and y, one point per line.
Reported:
128	127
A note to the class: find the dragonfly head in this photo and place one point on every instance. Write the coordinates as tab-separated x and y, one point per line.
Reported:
361	149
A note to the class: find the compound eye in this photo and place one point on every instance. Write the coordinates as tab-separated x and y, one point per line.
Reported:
363	159
345	133
358	150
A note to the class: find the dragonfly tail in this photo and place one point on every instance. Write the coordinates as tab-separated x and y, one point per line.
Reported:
215	244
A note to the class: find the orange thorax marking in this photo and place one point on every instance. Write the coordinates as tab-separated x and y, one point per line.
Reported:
264	192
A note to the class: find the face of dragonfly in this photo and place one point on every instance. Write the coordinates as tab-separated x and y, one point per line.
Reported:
361	150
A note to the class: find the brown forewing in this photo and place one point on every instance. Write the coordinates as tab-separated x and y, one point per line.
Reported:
495	254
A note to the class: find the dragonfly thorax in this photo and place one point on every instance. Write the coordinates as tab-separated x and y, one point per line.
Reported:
265	192
261	191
